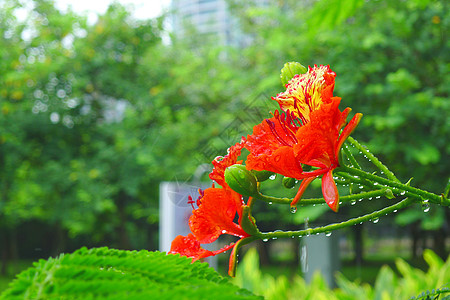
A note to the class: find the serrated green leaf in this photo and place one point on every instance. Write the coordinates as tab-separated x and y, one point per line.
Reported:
103	273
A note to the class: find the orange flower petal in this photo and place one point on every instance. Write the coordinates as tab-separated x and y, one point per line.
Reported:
330	191
221	163
347	131
215	215
188	246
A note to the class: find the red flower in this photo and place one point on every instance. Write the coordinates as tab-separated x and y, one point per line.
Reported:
308	132
215	215
213	218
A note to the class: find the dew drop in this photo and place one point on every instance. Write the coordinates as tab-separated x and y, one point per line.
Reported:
265	240
402	193
272	177
425	206
395	211
274	238
328	233
293	209
375	183
270	203
224	231
353	202
375	220
377	197
370	198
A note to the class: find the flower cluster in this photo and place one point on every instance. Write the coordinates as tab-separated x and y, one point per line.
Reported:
308	130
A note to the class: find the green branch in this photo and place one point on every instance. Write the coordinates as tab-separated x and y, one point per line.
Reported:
328	228
343	199
409	190
372	158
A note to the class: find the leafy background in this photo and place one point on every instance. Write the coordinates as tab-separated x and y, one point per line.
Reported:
95	116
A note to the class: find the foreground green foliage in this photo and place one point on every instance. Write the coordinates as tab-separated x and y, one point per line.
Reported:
103	273
408	283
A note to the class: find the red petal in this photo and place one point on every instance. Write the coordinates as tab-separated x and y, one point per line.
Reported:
330	191
302	189
347	131
317	139
221	163
215	215
281	161
189	246
270	147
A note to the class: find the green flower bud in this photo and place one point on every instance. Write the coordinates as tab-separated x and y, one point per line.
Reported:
288	182
241	180
262	175
291	69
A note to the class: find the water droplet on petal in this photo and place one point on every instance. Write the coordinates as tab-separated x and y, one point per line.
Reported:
224	231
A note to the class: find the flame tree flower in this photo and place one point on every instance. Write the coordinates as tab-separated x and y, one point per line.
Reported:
307	132
217	209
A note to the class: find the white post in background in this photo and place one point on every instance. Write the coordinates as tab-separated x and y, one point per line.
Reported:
174	213
320	253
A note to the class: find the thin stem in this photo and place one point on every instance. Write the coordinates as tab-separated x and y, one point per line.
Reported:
391	183
348	198
373	159
328	228
361	181
350	156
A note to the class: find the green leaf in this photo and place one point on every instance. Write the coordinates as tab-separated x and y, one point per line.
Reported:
103	273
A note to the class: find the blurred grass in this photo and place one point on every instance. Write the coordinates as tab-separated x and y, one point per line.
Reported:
12	270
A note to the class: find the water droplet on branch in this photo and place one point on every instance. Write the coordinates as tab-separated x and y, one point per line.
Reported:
425	206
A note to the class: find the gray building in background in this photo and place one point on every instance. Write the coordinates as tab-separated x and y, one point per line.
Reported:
210	18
